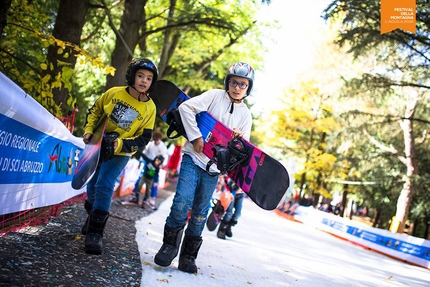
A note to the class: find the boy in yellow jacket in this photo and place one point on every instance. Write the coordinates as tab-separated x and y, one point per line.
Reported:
131	117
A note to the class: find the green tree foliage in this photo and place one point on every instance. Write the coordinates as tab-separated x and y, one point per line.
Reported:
394	94
192	41
188	40
61	55
306	126
301	129
37	61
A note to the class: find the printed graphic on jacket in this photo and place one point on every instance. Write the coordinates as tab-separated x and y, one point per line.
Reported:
123	115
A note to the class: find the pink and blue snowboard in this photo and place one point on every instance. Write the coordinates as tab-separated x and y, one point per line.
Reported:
262	178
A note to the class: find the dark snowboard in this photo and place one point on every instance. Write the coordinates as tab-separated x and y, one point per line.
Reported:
262	178
219	207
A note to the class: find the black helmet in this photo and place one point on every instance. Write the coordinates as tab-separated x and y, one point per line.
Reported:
242	70
160	157
141	63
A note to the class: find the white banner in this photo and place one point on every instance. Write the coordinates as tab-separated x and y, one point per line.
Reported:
38	153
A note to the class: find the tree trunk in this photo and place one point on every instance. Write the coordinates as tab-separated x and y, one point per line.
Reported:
377	217
127	37
413	228
405	198
344	200
302	184
427	229
4	8
316	199
303	178
170	41
68	28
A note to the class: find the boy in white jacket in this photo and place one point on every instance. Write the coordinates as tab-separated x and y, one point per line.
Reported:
195	186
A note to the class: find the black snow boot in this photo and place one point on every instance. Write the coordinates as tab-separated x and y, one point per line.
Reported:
222	229
169	250
189	250
88	207
96	226
228	232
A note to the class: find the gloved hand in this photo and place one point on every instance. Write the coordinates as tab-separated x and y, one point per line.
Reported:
107	149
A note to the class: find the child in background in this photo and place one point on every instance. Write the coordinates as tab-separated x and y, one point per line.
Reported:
155	148
233	211
152	169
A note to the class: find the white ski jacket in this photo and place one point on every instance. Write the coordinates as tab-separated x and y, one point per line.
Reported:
218	104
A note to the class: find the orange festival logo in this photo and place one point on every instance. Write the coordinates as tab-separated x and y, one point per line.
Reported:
398	14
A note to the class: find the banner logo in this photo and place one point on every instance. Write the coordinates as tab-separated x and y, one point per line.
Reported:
398	14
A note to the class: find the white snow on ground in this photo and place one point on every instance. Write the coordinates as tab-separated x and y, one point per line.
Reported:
269	250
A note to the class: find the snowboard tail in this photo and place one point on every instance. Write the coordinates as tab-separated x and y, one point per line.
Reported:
261	177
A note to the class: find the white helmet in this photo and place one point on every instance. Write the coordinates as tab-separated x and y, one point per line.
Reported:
242	70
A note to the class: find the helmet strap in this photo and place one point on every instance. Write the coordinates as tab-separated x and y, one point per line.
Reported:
233	100
140	94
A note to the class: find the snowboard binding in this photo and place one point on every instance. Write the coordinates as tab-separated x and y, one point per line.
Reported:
107	150
228	157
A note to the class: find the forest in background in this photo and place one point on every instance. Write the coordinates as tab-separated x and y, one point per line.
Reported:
355	124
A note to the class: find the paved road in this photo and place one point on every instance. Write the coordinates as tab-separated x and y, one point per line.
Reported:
269	250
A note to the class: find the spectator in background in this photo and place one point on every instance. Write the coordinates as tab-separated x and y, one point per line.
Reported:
326	208
174	162
307	200
337	208
154	148
151	170
220	185
233	211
